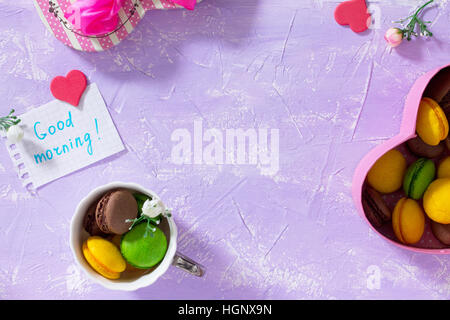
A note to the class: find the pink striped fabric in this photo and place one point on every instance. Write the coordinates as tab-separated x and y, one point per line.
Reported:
52	15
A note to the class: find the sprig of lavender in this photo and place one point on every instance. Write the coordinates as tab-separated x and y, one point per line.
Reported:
410	28
9	121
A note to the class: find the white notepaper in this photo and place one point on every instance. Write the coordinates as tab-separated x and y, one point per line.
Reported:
60	139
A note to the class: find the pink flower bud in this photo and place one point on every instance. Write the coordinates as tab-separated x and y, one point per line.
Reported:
394	37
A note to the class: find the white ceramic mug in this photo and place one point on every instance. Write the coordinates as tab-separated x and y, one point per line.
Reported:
136	280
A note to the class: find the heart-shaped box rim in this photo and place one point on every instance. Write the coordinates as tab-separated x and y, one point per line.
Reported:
407	131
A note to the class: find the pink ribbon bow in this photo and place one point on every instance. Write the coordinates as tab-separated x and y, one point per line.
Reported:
94	17
97	17
188	4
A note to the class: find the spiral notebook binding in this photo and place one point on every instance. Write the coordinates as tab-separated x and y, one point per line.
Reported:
19	165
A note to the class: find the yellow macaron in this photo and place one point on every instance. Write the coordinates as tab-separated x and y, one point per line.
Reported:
436	201
386	175
104	257
432	124
444	169
408	221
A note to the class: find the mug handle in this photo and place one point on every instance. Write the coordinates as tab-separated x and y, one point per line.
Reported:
186	264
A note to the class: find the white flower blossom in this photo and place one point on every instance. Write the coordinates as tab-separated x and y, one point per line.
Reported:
14	134
152	208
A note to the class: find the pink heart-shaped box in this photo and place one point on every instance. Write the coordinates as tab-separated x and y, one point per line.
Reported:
407	131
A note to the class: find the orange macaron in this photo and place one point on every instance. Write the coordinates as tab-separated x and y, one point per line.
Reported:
432	124
408	221
104	257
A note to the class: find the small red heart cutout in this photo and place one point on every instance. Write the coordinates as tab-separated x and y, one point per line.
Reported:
353	13
69	88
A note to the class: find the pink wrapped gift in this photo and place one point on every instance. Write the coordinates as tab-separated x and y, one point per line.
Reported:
97	25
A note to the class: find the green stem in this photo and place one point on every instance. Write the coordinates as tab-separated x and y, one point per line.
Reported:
9	121
423	7
409	31
151	224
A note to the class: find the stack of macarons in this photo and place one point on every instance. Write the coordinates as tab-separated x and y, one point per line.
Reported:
116	244
416	174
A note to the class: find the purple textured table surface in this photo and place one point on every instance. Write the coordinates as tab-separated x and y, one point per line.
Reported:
332	94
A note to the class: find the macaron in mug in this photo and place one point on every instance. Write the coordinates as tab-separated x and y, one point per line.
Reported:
105	270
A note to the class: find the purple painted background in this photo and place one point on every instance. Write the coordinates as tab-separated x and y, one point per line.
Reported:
333	95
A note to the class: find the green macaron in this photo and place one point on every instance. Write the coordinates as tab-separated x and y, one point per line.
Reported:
418	177
143	249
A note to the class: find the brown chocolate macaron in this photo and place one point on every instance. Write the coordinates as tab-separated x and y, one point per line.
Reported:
421	149
439	86
441	232
113	209
375	208
447	143
90	223
445	103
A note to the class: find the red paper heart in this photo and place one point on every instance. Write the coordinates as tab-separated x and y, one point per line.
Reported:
69	88
353	13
